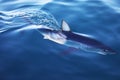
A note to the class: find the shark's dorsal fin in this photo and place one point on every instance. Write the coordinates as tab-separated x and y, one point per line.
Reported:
65	26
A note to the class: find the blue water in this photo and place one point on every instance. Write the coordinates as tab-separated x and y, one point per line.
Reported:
25	55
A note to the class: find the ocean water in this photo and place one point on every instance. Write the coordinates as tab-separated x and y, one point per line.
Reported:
25	55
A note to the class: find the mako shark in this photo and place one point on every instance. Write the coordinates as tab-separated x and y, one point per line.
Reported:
72	39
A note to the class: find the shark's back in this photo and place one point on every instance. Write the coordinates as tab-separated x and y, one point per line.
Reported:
84	40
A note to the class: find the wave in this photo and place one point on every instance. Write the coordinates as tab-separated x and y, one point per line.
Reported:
113	4
21	18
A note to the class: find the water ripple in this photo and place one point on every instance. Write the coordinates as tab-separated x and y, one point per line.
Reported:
113	4
24	52
27	16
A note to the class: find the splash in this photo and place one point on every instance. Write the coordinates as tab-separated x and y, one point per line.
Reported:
26	19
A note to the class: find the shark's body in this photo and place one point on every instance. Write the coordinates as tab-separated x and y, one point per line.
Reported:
72	39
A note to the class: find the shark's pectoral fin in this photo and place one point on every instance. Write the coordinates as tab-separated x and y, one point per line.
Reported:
45	37
65	26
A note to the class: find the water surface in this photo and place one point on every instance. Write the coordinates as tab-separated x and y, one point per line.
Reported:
25	55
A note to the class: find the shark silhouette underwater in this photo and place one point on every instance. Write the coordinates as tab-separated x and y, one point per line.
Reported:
72	39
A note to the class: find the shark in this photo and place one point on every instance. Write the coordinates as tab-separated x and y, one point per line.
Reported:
65	36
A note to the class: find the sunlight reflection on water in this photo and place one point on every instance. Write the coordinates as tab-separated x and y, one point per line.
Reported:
114	4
